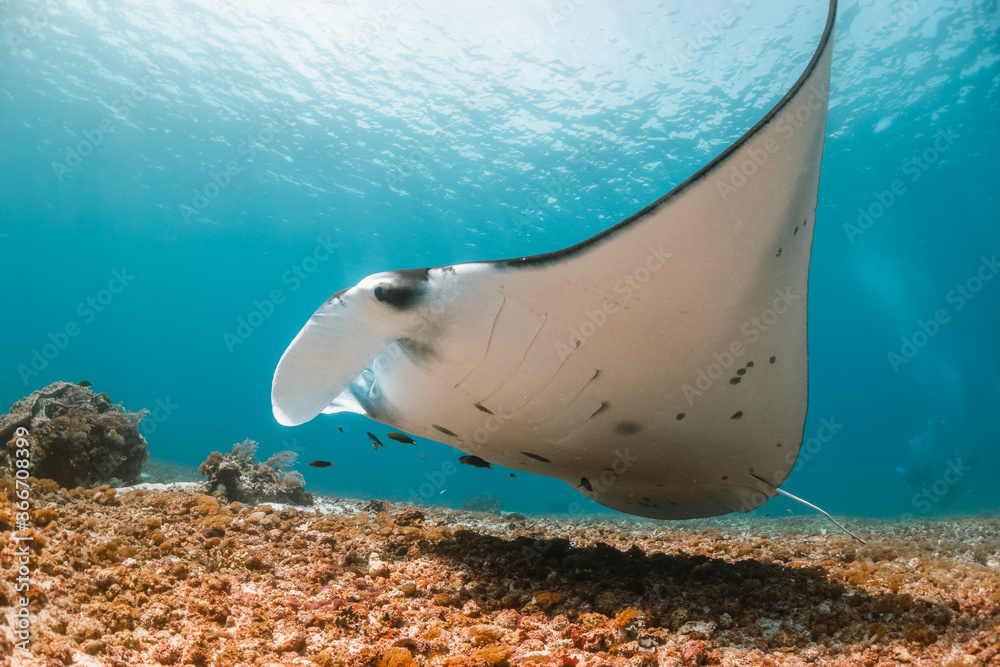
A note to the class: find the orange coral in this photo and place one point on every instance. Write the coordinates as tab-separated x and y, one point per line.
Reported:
626	617
397	657
546	599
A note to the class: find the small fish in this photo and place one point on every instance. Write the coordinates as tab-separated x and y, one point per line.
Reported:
340	428
85	383
320	464
475	461
376	443
401	437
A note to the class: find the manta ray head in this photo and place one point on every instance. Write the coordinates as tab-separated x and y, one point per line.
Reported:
344	338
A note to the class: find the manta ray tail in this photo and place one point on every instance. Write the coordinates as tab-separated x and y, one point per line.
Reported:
818	509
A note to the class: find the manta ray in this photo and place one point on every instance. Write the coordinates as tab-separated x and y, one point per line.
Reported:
659	367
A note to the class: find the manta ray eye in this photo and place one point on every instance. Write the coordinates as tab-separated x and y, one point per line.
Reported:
397	296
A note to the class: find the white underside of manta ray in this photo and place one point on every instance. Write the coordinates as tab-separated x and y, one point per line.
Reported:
660	367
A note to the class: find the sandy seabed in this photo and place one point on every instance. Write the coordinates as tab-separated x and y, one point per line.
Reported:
167	576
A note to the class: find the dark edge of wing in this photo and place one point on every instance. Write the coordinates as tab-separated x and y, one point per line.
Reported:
535	260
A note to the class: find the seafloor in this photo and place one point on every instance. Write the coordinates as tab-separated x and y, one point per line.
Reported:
160	576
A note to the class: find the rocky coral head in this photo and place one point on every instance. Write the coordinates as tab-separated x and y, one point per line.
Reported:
240	477
77	437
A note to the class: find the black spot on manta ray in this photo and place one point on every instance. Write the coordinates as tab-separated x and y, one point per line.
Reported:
681	415
749	364
773	359
735	380
627	428
741	371
585	483
445	431
480	406
536	457
417	349
725	477
402	289
795	231
737	414
779	444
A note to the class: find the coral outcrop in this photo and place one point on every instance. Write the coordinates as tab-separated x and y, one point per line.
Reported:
242	478
77	437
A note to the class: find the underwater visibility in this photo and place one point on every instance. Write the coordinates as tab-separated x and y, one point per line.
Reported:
403	333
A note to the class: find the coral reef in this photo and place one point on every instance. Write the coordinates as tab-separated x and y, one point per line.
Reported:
156	578
77	437
242	478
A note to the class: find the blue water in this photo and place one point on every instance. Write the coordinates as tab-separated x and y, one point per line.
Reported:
217	155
